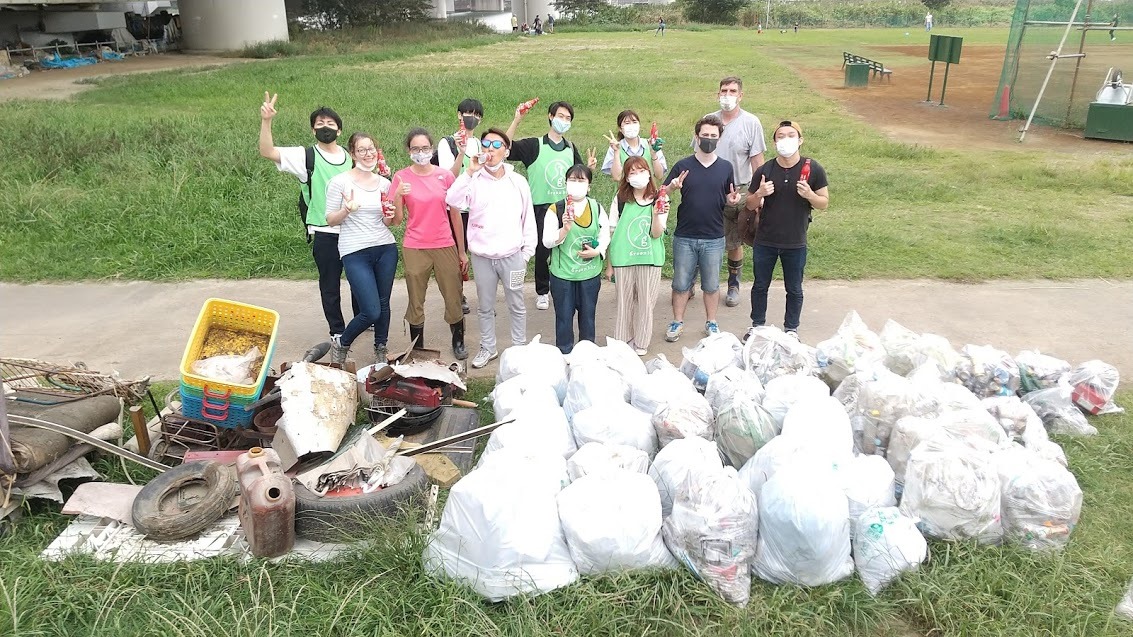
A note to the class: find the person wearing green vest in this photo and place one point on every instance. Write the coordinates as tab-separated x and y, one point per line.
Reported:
636	253
628	143
451	155
547	159
576	231
314	167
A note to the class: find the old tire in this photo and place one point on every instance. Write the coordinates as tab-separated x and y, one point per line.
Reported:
158	513
335	518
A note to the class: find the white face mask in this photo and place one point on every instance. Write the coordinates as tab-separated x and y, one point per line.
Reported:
421	159
787	146
631	131
368	167
639	180
577	189
495	168
728	102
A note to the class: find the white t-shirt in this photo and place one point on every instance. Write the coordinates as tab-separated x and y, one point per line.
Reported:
445	158
741	140
363	228
293	161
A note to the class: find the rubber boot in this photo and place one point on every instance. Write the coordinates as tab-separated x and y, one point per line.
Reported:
417	332
458	349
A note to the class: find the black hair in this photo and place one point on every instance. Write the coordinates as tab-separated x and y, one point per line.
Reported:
580	170
416	132
623	115
325	111
554	108
708	120
469	105
499	133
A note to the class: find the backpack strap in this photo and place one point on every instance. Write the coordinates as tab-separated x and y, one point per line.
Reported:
309	161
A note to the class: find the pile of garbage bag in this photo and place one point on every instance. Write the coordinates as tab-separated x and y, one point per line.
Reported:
794	464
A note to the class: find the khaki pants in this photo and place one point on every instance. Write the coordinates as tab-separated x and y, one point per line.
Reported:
444	264
732	236
638	287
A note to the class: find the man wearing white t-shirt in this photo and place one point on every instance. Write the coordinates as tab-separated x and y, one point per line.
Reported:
315	166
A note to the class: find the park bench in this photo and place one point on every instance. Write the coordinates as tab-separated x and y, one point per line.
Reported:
877	68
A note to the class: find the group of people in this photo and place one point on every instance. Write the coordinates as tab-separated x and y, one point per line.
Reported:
466	209
535	27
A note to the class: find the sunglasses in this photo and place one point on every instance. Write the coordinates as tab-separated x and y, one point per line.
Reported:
493	143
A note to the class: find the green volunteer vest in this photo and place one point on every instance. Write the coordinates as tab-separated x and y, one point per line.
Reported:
631	243
565	263
316	195
648	156
547	174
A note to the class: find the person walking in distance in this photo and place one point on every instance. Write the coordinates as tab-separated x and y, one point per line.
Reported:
705	183
314	166
501	237
514	24
742	144
1113	23
928	21
454	151
783	194
660	27
547	159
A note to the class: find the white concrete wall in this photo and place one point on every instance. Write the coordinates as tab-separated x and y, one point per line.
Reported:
526	10
224	25
71	21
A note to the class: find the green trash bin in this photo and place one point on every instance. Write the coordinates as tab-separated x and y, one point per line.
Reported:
857	75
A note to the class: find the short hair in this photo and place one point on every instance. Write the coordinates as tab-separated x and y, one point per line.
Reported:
469	105
324	111
732	79
498	133
554	108
708	120
580	170
417	132
357	137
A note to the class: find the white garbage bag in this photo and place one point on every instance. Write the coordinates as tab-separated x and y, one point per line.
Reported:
1039	371
954	396
513	392
1124	608
932	348
1041	499
651	393
615	424
585	352
712	354
988	371
899	343
685	416
804	529
538	360
867	481
783	452
621	358
823	422
713	531
595	458
952	488
784	391
1059	413
676	461
1094	383
590	385
1012	414
612	522
1036	439
909	432
536	428
658	362
882	402
853	347
886	544
500	531
769	352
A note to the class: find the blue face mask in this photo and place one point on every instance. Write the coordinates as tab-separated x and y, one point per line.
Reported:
561	126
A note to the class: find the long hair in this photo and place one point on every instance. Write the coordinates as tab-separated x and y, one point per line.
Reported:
625	115
625	191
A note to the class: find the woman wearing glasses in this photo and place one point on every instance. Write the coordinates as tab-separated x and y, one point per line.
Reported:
501	237
356	204
431	245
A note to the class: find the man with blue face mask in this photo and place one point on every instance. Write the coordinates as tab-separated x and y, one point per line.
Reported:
547	159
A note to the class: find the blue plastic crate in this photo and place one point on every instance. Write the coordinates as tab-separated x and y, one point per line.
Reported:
219	412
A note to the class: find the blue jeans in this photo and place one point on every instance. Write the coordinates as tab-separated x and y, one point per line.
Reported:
689	255
573	297
794	261
370	273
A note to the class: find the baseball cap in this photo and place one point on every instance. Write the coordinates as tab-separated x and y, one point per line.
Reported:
787	122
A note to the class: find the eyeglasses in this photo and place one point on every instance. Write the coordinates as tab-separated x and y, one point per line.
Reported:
492	143
420	149
363	152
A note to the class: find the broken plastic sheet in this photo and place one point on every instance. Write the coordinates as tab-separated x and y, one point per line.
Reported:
48	488
319	404
230	368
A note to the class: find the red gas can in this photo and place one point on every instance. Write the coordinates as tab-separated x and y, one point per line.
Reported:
267	503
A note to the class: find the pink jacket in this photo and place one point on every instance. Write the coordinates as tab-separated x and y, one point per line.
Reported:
501	217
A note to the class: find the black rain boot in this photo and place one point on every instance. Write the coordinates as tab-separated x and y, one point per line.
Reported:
458	349
417	332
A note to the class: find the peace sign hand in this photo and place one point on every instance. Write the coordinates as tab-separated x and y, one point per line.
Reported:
267	109
613	141
591	160
733	196
679	182
348	201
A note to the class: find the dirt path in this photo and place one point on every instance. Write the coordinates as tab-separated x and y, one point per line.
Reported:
61	84
141	328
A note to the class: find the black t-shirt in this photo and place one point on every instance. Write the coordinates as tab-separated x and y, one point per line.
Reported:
785	216
526	150
700	214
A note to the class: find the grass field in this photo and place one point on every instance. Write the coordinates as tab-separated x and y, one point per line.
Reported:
157	176
381	589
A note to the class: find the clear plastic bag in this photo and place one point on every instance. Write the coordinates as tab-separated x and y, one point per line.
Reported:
852	347
536	360
235	368
1012	414
1039	371
882	402
729	383
1059	413
615	424
595	458
783	392
899	343
1094	384
1124	608
742	424
960	425
1041	499
952	488
713	531
711	354
987	371
685	416
593	385
769	353
886	544
933	348
676	461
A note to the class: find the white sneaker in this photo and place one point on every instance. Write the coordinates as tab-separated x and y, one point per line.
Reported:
483	357
542	302
793	334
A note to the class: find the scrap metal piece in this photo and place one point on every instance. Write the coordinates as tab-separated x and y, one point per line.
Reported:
25	421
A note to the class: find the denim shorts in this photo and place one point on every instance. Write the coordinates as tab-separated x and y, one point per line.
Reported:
691	254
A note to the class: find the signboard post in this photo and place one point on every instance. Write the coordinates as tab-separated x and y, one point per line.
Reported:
942	48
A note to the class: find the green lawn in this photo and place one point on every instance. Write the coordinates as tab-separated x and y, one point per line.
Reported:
157	176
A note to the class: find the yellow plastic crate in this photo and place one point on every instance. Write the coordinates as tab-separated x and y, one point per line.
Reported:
235	316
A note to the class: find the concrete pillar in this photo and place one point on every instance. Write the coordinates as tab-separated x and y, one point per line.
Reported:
440	9
219	25
526	10
450	6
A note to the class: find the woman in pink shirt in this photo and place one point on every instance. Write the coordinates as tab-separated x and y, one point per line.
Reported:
434	239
